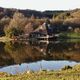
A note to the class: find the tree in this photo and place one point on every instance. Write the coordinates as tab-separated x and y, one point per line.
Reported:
28	28
16	25
4	21
13	31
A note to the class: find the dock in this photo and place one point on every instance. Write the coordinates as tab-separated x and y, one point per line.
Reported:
48	37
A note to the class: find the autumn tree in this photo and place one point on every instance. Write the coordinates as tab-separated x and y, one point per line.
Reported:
16	25
28	28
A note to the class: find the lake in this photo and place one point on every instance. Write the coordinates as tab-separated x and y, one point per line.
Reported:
20	56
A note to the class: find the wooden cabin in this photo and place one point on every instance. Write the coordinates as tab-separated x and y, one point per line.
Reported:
44	32
36	35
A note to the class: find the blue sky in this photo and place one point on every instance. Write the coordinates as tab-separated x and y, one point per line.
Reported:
41	4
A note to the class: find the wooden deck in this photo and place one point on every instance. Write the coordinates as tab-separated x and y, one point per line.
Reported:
48	37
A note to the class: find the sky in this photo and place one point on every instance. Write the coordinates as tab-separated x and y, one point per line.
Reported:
41	5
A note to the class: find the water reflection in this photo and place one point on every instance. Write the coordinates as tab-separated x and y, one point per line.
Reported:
51	55
59	50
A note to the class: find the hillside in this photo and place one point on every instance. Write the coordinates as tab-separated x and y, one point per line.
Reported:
27	13
15	22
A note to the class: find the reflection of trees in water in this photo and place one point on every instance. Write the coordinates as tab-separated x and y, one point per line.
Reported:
19	52
16	51
14	47
59	47
22	52
62	47
2	47
62	50
5	59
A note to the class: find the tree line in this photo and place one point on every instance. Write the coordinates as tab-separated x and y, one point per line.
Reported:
15	22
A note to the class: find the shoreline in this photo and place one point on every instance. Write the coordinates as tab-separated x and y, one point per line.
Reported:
5	39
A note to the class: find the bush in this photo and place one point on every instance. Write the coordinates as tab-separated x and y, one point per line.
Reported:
67	67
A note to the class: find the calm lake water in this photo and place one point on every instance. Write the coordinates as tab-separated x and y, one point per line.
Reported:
17	57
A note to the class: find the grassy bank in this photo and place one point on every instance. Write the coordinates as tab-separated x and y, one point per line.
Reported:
70	35
67	73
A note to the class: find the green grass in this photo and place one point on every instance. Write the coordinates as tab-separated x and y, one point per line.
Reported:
71	35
